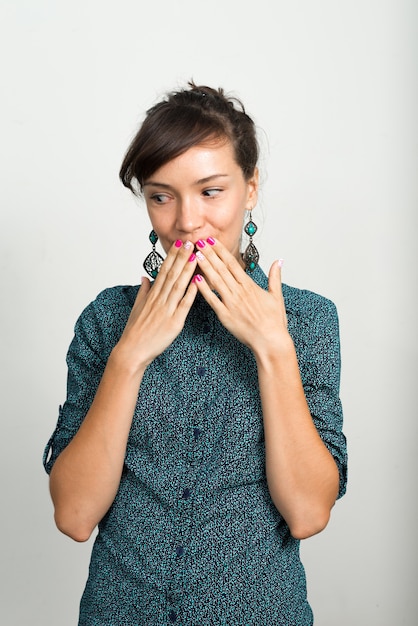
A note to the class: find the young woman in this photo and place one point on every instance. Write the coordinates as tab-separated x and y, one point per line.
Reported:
202	427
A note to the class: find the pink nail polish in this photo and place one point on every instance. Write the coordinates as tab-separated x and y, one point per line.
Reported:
192	257
280	262
200	243
178	243
211	241
197	278
187	245
199	256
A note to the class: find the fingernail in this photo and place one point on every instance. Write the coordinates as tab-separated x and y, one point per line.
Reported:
178	243
211	241
197	278
280	262
143	278
187	245
192	257
200	243
199	255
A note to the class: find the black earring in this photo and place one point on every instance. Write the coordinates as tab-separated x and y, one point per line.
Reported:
154	260
250	256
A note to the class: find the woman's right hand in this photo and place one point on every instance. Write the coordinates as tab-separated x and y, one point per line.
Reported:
159	311
86	476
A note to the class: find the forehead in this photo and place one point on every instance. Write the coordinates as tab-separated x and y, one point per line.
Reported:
204	159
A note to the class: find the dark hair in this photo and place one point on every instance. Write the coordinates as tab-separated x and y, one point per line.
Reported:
184	119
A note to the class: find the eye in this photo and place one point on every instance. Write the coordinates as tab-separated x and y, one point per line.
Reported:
159	198
211	193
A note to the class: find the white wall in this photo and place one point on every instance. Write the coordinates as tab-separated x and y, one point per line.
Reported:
332	86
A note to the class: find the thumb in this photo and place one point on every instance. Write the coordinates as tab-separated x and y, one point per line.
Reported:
275	277
145	285
143	290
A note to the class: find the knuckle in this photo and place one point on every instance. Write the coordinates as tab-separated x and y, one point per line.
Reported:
224	269
177	288
172	275
164	270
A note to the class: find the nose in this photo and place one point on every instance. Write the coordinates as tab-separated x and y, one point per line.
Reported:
188	217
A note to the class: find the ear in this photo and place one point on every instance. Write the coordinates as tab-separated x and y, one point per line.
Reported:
252	188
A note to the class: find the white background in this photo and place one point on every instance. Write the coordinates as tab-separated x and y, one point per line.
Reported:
332	87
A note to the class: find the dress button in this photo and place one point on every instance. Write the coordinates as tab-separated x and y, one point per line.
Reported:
186	494
179	550
173	616
201	371
173	596
196	433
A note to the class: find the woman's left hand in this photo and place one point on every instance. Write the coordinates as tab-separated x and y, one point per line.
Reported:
254	316
301	473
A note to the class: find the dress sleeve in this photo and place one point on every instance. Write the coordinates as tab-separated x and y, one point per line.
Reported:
85	369
320	369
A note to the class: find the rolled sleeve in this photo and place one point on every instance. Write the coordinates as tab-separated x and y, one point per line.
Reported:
323	393
85	369
317	343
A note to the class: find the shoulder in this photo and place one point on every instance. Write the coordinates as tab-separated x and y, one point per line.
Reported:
305	303
301	303
104	318
310	315
314	328
111	300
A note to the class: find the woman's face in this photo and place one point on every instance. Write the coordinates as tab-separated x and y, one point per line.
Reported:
201	193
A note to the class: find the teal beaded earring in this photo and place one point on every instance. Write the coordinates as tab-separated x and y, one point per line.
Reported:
154	260
250	256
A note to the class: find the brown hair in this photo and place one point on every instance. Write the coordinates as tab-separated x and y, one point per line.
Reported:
184	119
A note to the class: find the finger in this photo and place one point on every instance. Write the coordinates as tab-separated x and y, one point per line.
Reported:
275	278
174	281
217	249
187	300
211	298
275	285
220	268
145	285
167	264
171	268
142	293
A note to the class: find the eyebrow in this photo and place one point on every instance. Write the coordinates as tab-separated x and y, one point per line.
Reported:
201	181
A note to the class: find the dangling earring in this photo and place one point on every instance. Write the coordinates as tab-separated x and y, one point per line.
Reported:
154	260
250	256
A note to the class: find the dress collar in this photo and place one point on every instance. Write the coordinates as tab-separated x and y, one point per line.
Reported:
258	277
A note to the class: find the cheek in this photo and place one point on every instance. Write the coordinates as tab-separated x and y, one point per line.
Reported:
234	212
164	236
230	223
159	221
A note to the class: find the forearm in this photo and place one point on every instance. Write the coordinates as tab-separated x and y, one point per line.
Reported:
86	476
301	473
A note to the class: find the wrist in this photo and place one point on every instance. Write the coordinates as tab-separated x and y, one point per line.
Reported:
123	360
276	352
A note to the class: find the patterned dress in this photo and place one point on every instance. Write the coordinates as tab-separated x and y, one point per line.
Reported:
193	537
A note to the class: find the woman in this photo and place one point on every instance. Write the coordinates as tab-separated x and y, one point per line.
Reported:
202	427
